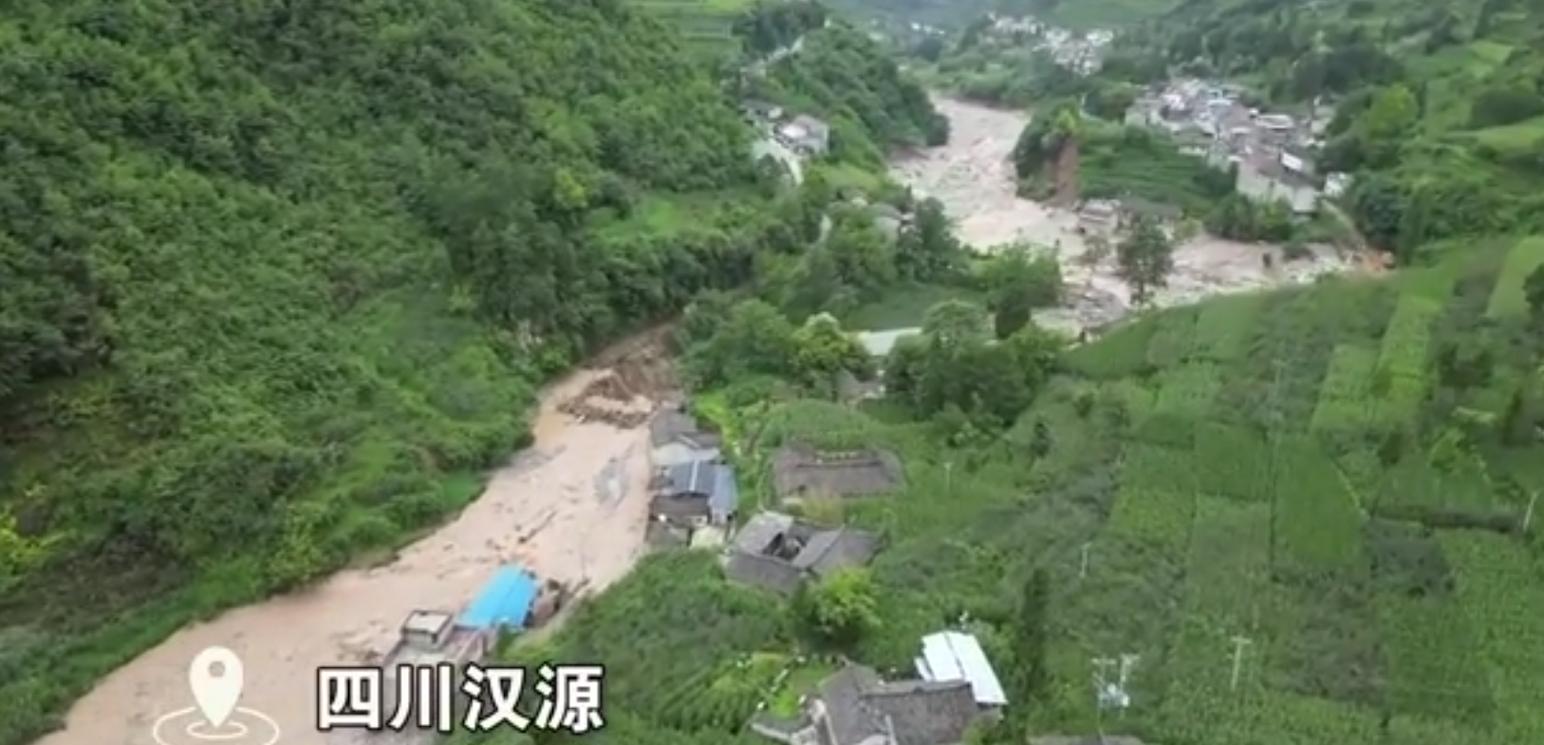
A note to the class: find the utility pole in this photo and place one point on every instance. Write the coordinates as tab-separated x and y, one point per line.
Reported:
949	478
1083	570
1239	642
1528	516
1100	687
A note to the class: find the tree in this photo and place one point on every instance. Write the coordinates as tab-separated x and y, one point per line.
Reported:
1506	104
1533	289
929	250
821	349
1018	280
864	258
1145	259
1011	313
754	339
1388	123
954	323
1030	646
842	607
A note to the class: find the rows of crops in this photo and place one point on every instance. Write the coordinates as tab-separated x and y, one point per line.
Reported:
1508	299
1332	547
707	25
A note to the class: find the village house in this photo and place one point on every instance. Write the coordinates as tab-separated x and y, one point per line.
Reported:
674	439
1268	150
696	494
773	551
800	471
1099	217
512	600
855	706
807	135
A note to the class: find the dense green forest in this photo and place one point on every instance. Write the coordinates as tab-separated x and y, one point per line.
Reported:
849	80
280	278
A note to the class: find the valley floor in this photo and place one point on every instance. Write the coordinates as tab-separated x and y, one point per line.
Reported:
973	176
571	508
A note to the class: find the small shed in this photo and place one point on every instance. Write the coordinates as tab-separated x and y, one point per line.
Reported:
951	655
505	602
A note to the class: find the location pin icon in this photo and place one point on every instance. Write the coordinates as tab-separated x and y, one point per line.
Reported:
215	677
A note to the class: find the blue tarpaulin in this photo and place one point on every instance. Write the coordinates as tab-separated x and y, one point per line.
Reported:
505	601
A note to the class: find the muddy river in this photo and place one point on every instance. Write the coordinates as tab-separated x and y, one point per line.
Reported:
572	507
973	177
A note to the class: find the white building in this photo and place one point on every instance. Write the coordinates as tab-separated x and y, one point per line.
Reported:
950	656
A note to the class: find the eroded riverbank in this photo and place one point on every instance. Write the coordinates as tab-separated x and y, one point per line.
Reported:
973	177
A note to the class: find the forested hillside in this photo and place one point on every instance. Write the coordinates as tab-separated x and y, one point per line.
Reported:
279	278
846	78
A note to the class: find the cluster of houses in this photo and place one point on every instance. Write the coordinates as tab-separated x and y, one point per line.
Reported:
1271	150
696	503
1082	52
803	134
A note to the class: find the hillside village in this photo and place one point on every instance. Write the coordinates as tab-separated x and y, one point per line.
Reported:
1272	151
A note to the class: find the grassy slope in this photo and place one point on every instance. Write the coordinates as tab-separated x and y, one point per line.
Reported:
1229	476
705	24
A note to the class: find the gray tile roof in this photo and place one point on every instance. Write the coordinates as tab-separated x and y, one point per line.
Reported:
924	713
830	550
799	469
759	532
724	495
766	572
671	425
859	705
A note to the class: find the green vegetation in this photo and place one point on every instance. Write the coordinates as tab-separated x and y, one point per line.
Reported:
1146	257
706	26
842	76
1437	104
280	280
841	607
1128	162
1200	474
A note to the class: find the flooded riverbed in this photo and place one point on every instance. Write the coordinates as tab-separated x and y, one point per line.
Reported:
573	507
973	177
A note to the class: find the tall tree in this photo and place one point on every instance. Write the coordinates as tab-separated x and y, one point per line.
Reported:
1146	257
1030	646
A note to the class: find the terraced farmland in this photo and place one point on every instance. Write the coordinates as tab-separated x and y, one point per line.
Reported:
706	25
1298	516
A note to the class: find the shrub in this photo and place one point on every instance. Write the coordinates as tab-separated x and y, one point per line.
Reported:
1506	104
842	607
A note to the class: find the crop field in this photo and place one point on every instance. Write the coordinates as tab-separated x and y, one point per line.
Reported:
1223	327
705	24
1345	396
1219	487
1174	338
1507	299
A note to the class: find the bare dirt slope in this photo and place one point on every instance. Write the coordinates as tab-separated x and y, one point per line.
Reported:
573	507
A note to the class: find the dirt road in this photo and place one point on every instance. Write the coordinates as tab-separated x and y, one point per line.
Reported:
973	177
573	507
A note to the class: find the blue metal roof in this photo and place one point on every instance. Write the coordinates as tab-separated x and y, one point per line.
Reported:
505	601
